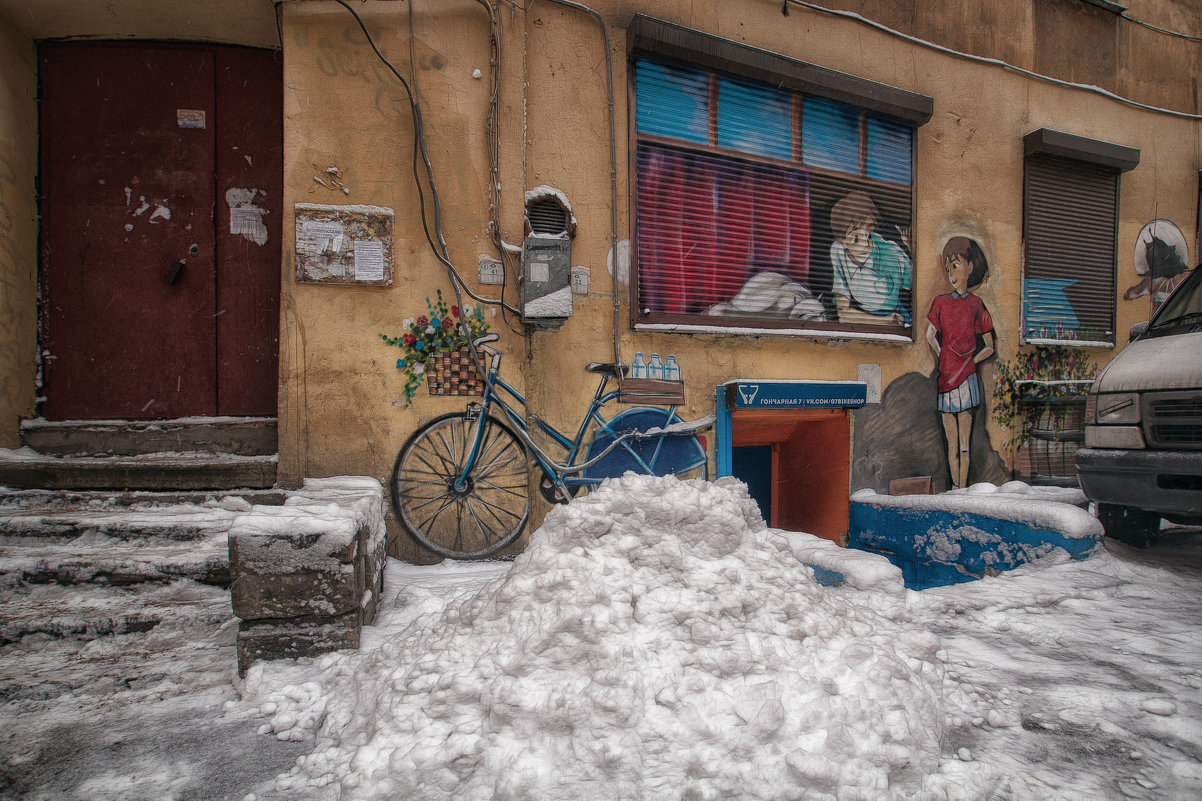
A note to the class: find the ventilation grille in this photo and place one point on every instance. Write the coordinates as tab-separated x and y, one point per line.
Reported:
547	217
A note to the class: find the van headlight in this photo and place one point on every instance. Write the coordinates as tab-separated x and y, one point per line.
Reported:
1114	408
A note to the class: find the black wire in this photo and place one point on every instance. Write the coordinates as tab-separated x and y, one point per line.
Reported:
379	55
419	151
1165	31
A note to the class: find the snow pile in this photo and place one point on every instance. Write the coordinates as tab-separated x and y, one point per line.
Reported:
655	640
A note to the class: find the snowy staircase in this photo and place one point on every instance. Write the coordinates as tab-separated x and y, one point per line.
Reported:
79	566
235	576
217	453
86	538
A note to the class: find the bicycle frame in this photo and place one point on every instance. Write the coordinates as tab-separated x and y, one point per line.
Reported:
560	474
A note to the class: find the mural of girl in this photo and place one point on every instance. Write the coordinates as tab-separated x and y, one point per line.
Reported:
960	334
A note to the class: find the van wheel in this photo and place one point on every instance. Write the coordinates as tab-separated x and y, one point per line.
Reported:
1126	524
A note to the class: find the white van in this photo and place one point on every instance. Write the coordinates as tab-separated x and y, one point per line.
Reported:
1142	458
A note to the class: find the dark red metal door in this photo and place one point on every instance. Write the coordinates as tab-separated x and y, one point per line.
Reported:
250	185
132	139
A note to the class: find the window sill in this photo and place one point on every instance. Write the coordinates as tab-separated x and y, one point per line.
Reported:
1069	343
783	333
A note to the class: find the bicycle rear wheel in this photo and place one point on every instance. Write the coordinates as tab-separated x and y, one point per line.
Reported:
482	517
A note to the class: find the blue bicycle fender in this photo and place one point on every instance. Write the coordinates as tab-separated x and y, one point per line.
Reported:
657	456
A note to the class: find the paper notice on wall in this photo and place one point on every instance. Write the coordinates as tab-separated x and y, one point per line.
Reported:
190	118
321	237
246	218
343	244
369	261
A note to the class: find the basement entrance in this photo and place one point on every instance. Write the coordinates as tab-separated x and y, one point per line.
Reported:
790	442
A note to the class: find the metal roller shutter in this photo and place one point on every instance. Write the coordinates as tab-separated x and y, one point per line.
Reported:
1070	225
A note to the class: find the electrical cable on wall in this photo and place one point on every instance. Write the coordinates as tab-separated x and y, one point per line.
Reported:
439	249
1158	29
613	173
492	136
998	62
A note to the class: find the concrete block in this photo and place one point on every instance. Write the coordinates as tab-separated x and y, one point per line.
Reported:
287	563
300	593
296	638
308	575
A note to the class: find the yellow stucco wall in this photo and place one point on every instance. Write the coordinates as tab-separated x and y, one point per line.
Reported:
18	231
969	180
341	405
340	410
222	21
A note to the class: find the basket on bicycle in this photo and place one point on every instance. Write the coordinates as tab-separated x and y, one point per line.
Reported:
452	372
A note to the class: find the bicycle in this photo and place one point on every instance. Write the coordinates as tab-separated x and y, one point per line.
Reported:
460	485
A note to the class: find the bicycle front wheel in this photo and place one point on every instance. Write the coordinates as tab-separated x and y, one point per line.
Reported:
477	519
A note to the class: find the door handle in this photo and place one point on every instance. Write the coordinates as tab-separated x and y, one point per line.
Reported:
173	272
175	269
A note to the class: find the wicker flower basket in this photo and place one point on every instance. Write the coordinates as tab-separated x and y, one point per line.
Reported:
453	373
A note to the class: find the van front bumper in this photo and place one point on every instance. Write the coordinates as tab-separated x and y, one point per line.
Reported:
1166	482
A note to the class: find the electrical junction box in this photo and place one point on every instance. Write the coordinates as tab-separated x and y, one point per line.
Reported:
546	280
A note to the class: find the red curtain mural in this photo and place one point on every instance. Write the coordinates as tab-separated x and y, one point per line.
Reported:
708	223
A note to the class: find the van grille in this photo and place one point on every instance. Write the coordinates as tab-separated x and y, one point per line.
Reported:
1173	420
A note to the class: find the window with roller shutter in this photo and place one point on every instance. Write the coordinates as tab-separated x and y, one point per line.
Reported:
1070	235
742	161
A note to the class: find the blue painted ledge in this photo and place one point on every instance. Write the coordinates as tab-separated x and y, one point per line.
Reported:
965	535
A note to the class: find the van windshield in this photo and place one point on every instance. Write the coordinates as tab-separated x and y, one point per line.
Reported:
1182	312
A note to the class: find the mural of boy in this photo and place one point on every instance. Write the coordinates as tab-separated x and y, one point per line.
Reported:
960	334
870	272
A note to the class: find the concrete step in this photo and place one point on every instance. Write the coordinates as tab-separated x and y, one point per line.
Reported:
64	515
117	540
243	436
94	558
88	503
26	469
56	640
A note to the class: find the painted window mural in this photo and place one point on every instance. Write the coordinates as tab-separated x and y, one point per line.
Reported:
759	207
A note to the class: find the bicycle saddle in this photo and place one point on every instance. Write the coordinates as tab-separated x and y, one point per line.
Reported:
608	369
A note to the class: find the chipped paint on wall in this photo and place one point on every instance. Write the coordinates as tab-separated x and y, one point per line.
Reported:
159	210
331	178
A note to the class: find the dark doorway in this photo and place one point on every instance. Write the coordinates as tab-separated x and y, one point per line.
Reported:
752	464
161	174
805	458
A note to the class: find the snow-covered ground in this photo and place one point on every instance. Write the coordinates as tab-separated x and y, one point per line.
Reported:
655	641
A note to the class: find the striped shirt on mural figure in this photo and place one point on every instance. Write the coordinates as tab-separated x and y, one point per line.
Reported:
870	273
960	334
